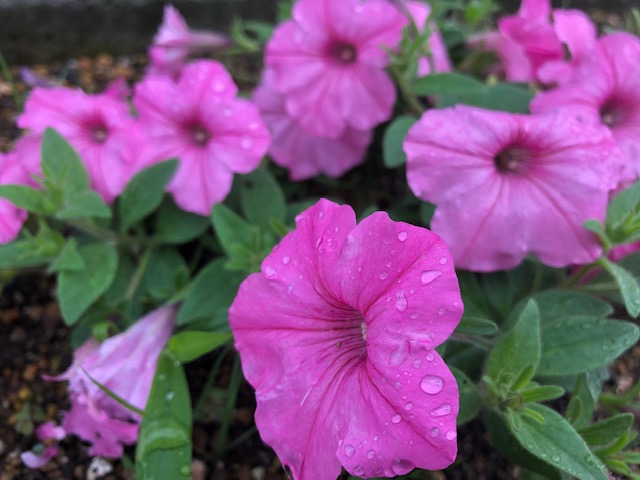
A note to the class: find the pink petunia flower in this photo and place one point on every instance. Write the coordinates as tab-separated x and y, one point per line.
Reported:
329	62
302	153
337	335
38	458
175	41
200	121
99	127
439	57
531	44
11	217
125	364
508	185
604	90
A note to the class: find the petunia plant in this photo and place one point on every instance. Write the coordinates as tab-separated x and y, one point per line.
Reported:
410	222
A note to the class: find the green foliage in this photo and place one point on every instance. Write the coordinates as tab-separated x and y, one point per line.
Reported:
61	165
628	285
188	346
470	401
175	226
164	441
262	198
392	152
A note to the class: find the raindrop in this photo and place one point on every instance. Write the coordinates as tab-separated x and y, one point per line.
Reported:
376	438
451	435
170	396
441	311
555	458
185	470
414	316
402	236
291	286
396	418
286	259
383	276
431	384
408	406
401	467
349	450
388	264
401	301
246	143
270	272
435	432
443	260
371	454
441	411
429	276
417	363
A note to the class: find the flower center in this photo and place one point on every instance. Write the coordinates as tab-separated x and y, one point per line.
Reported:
100	133
611	114
199	135
343	52
512	159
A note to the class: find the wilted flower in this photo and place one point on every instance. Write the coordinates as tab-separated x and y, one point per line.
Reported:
302	153
200	121
40	456
124	364
11	217
604	90
329	62
175	41
337	335
508	185
99	127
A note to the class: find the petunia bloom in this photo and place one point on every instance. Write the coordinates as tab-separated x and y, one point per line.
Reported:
337	336
125	364
11	217
329	62
508	185
302	153
39	457
200	121
100	127
604	91
175	41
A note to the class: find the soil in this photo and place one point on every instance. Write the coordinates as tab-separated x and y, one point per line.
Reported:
34	341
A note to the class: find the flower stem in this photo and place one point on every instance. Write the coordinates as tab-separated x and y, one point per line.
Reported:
227	415
137	276
481	343
573	280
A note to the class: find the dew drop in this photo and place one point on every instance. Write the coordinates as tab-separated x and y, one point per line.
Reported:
401	467
435	432
358	470
270	272
185	470
441	411
408	406
401	301
170	396
402	236
349	450
253	126
417	363
396	418
555	458
388	264
429	276
414	316
286	259
443	260
383	276
376	438
431	384
371	454
451	435
441	311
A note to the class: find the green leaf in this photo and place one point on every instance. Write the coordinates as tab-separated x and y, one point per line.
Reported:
175	226
477	326
61	164
628	285
448	84
558	444
112	394
211	292
608	430
578	344
164	441
555	304
87	204
392	152
166	273
77	290
23	197
498	290
261	198
470	401
20	254
187	346
69	258
623	207
504	97
144	192
541	393
519	347
231	229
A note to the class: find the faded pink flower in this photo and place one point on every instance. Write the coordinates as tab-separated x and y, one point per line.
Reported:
42	454
329	62
200	121
508	185
439	57
99	127
604	90
125	364
304	154
175	41
11	217
340	327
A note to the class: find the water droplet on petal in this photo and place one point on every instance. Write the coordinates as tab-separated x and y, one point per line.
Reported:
376	438
432	384
371	454
246	143
401	301
286	259
430	356
441	311
429	276
443	260
401	467
396	418
402	236
270	272
383	276
408	406
349	450
435	432
414	316
441	411
358	470
451	435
